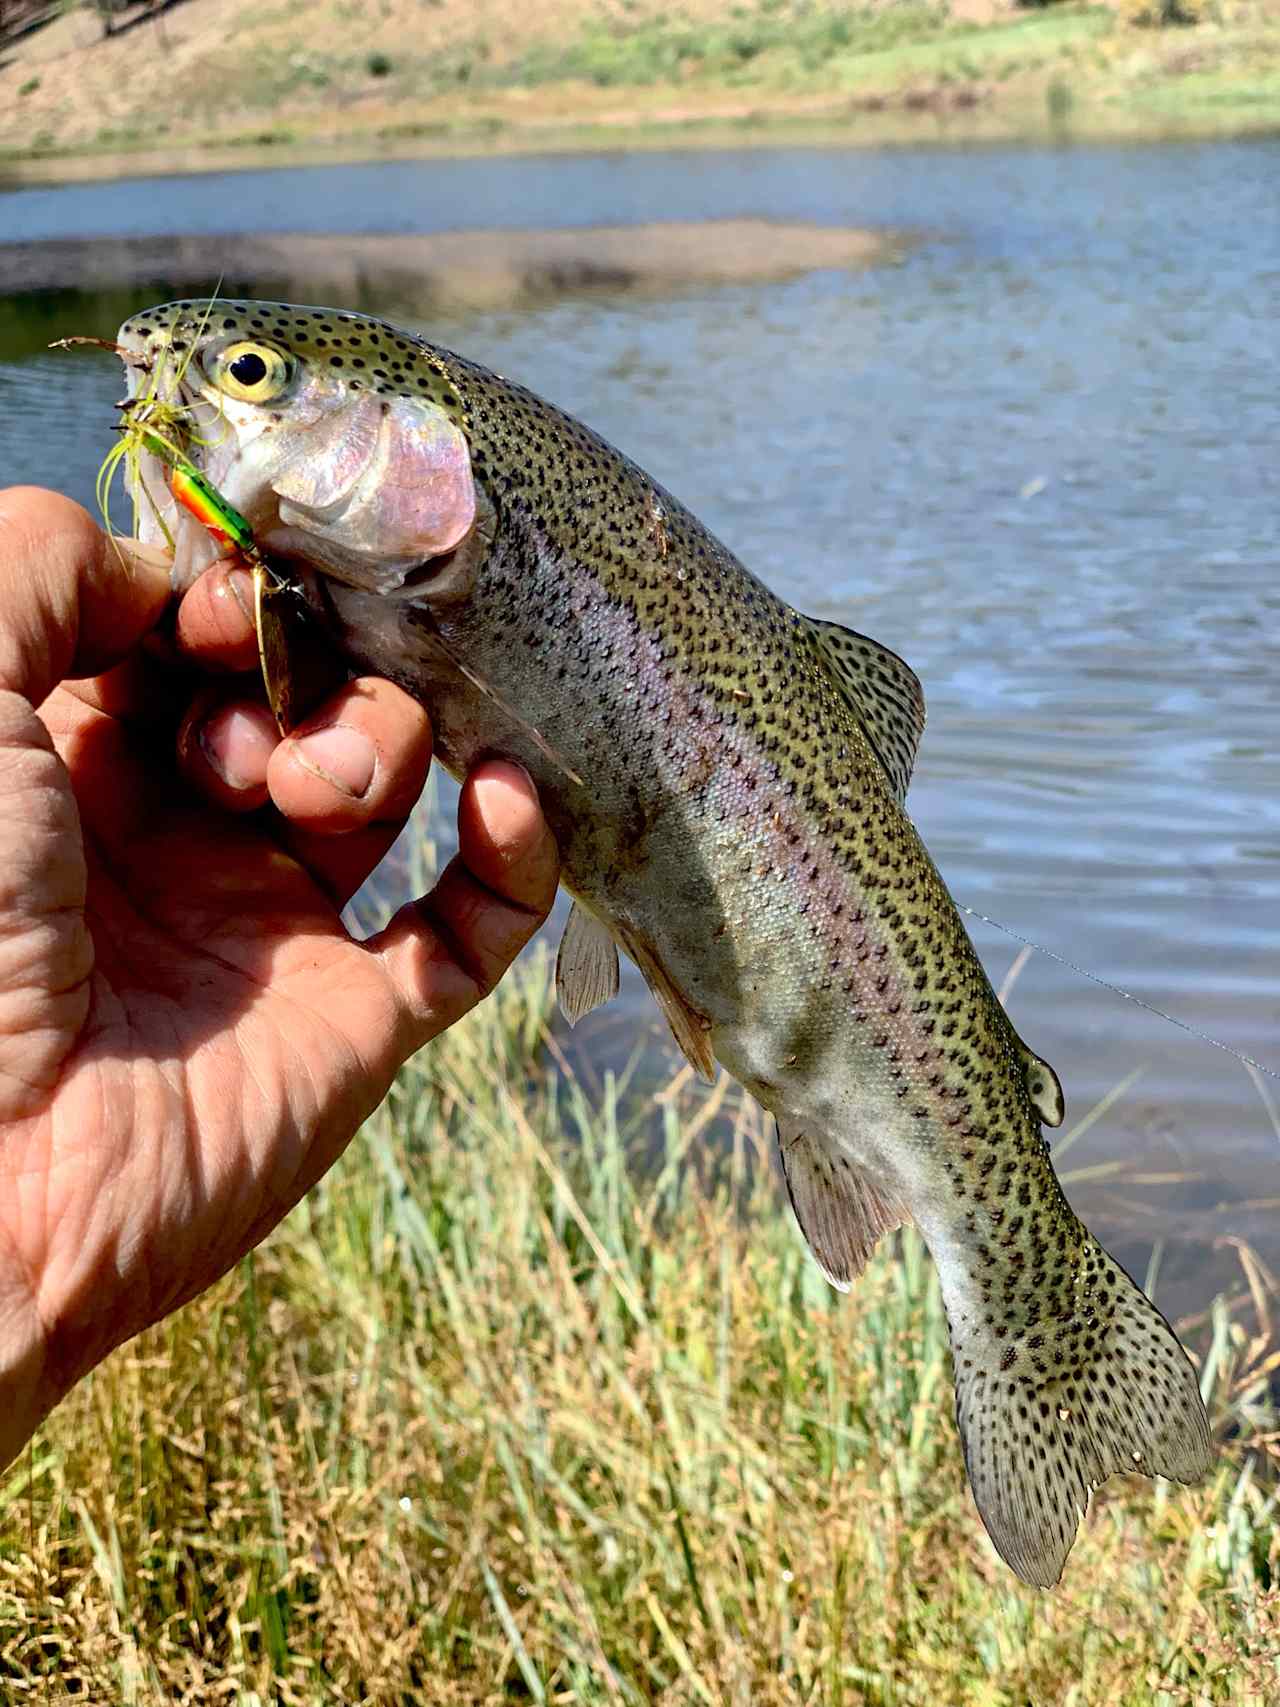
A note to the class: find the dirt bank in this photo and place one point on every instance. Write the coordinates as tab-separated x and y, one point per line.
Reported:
202	83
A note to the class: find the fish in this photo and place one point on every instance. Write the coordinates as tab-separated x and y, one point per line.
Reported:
726	781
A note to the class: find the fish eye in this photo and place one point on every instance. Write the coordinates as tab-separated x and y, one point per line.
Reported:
248	369
251	373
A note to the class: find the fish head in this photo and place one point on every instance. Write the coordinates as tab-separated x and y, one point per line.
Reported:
340	440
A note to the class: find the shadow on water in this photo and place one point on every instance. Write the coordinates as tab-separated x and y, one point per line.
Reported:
32	320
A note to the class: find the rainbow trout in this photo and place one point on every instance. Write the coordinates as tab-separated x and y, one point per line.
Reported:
725	779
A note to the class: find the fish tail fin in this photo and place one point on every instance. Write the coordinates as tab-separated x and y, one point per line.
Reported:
1047	1415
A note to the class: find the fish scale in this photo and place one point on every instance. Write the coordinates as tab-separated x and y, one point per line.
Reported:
725	780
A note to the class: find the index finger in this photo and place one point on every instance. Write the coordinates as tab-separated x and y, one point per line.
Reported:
215	626
442	954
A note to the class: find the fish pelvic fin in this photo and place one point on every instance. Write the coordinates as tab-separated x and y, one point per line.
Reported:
1043	1422
842	1211
690	1028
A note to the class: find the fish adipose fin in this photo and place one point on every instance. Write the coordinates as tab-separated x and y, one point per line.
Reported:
1043	1424
842	1211
1043	1087
586	965
883	692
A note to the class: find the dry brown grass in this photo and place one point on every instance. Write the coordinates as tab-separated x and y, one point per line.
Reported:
230	63
501	1416
352	77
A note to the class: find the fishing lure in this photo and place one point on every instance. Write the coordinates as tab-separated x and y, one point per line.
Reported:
197	493
151	422
276	604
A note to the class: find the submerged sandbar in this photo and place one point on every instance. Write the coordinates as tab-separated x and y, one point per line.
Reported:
462	269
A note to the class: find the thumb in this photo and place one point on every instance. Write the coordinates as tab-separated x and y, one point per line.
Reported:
73	599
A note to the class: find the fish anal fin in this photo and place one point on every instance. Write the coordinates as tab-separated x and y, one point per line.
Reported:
883	692
1043	1087
690	1029
1111	1391
586	965
842	1211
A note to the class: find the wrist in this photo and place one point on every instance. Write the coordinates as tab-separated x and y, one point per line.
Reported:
26	1396
64	1302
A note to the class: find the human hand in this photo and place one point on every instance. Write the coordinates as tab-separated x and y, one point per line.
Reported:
188	1035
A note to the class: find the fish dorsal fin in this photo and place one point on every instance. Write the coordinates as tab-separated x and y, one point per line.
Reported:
689	1028
883	691
1043	1087
842	1211
586	966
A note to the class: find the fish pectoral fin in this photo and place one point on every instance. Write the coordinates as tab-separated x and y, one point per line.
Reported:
1043	1087
689	1028
883	692
1043	1423
586	965
842	1211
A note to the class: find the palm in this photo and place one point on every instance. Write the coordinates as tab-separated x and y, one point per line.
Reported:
223	990
228	1039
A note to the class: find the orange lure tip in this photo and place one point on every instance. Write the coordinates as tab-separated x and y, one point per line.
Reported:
213	512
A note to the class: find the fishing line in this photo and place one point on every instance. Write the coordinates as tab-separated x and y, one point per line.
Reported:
1126	995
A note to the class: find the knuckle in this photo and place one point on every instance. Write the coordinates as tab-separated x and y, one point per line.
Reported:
46	526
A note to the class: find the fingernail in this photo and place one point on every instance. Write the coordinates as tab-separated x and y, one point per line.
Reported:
148	556
515	765
239	584
230	732
341	756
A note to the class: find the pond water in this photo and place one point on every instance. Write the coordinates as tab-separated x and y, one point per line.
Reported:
1038	458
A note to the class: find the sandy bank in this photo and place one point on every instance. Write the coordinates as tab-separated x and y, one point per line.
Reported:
456	268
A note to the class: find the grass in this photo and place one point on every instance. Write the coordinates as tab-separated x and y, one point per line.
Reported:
780	46
775	49
539	1398
775	41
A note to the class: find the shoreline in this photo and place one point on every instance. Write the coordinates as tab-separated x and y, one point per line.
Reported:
225	83
455	269
976	127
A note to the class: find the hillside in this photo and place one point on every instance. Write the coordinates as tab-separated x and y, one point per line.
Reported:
202	77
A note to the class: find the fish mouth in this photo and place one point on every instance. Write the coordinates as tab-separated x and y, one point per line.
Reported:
160	401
